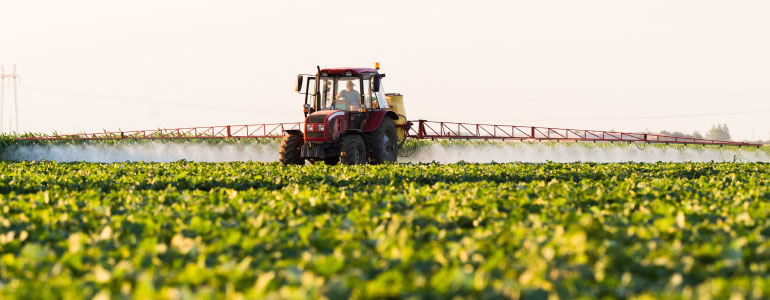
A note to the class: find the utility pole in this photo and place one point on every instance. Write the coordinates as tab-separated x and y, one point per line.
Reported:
2	96
16	80
15	96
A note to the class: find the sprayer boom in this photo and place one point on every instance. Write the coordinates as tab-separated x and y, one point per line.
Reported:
275	130
418	129
453	130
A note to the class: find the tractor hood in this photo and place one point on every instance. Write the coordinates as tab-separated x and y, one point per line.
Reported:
321	116
325	125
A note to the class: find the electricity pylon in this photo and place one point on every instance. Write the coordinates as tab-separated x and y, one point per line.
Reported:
15	81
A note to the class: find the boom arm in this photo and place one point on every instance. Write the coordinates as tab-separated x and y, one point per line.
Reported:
420	129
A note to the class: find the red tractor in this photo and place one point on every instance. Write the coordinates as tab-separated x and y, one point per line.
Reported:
348	121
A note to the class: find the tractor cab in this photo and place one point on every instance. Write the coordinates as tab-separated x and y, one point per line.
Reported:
347	89
347	119
342	93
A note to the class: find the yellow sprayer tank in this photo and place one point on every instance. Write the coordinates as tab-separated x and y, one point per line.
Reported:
396	103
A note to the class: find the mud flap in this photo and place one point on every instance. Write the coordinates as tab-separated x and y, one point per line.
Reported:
312	150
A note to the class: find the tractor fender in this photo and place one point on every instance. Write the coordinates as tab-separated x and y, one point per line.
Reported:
376	118
293	132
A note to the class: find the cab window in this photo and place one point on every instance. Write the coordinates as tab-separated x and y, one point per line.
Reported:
343	93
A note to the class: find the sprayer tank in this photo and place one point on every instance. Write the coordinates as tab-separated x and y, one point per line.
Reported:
396	103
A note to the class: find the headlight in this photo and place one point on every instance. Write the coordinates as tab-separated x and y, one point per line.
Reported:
320	127
309	127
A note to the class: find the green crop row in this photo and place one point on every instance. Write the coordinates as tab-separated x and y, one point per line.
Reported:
261	230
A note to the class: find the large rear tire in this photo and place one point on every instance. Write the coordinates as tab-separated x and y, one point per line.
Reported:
353	150
384	142
290	150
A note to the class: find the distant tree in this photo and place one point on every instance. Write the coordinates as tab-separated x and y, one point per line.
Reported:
676	134
697	135
719	132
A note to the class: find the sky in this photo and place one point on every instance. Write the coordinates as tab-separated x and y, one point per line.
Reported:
604	65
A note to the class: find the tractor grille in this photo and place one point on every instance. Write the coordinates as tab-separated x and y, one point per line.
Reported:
316	119
314	134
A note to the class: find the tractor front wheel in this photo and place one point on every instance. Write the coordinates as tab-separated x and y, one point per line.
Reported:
353	150
290	150
384	142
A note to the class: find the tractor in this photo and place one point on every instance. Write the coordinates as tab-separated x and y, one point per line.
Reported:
348	119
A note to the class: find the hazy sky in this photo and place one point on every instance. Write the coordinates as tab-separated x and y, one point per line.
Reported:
623	65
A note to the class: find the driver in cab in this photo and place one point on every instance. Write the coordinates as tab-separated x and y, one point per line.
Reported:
348	98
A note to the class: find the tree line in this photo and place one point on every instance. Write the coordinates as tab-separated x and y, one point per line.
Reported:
717	132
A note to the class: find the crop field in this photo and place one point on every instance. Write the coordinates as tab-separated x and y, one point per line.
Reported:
261	230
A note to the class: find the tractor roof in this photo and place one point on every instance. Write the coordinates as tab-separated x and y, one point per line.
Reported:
355	71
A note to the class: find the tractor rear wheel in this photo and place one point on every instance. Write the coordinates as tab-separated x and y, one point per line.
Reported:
353	150
290	150
384	142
